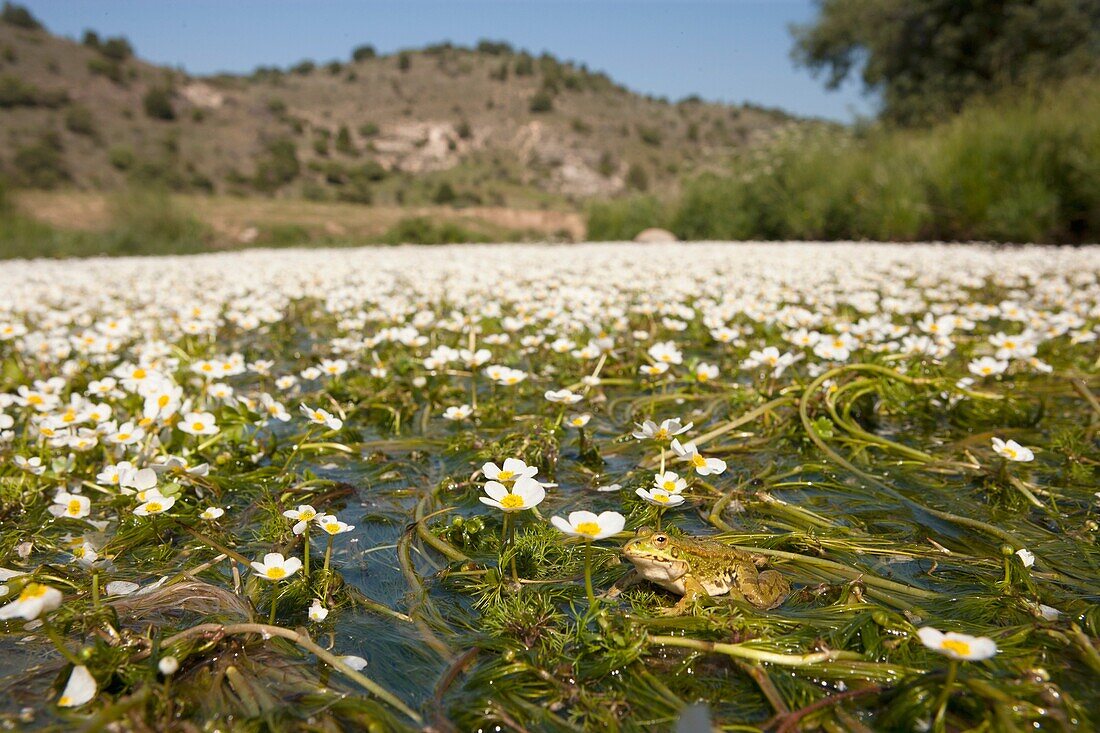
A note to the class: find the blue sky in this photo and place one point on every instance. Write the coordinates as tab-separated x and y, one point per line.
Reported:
728	50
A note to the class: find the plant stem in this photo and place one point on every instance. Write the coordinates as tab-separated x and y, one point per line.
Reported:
328	558
58	642
274	598
588	575
945	694
305	551
95	590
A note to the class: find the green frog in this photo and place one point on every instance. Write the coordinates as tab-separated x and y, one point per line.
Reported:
694	567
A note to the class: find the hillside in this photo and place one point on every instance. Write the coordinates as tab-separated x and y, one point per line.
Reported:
489	126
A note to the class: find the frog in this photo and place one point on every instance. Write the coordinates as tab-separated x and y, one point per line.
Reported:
695	567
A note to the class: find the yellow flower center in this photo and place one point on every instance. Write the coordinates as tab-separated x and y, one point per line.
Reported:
958	647
662	498
512	501
138	374
198	426
123	436
669	486
65	701
1008	452
34	399
74	506
589	529
661	434
698	461
153	507
276	573
33	590
506	476
163	400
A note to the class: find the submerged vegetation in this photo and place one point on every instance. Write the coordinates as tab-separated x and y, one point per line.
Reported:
388	489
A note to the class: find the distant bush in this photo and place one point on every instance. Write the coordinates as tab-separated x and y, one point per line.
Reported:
146	220
344	145
494	48
623	219
121	158
444	195
636	178
463	130
14	92
369	129
19	16
650	135
116	48
525	65
90	39
41	164
112	70
422	230
79	121
276	106
334	68
277	167
303	68
404	61
157	103
1020	169
500	73
362	53
606	166
541	101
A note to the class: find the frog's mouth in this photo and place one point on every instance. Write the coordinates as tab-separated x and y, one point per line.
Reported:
655	567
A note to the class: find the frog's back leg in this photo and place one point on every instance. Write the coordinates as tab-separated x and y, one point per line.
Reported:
769	591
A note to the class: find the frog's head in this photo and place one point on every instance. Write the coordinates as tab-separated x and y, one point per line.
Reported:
657	555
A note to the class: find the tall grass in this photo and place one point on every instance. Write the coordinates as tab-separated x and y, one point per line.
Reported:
143	221
1009	170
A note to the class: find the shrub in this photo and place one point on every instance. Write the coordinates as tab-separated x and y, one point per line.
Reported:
542	101
90	39
444	195
369	129
40	164
303	68
79	121
116	49
277	167
14	92
19	16
157	104
121	158
276	106
362	53
404	61
421	230
146	220
606	166
650	135
463	130
623	219
106	67
525	65
636	178
344	144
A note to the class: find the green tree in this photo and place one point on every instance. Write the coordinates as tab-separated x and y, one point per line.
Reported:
928	58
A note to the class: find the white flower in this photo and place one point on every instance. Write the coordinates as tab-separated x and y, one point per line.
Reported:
276	567
211	513
525	494
155	504
331	524
1026	557
34	600
669	481
317	612
660	497
703	466
80	688
653	370
563	396
198	423
458	413
987	366
578	421
322	417
304	514
1012	450
73	506
957	646
665	352
126	434
590	526
705	372
168	666
649	430
609	488
513	469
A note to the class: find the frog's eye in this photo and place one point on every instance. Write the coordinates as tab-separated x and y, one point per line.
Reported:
660	539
